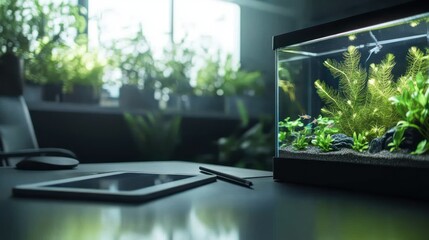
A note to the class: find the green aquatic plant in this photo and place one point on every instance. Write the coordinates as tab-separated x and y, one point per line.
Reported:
325	125
360	142
361	103
318	132
294	133
323	141
323	130
412	105
418	62
300	142
397	139
289	129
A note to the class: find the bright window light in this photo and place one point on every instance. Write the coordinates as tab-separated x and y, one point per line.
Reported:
203	24
111	20
210	24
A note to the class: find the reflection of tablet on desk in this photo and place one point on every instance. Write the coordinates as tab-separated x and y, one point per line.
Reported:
114	186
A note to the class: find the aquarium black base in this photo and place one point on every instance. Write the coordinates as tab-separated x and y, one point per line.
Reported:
404	181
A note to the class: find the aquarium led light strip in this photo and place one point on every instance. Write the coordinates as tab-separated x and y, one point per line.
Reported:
365	29
305	55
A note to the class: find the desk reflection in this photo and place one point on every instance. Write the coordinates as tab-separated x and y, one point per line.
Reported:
68	221
223	211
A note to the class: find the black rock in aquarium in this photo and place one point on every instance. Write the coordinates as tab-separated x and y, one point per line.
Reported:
412	137
341	140
376	145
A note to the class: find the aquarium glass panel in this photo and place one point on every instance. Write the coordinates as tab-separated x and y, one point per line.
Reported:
363	92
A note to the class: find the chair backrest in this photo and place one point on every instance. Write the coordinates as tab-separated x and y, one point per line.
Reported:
16	128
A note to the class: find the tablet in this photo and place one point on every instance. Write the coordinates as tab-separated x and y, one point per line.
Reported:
114	186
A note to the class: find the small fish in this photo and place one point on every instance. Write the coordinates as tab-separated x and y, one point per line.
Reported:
375	49
314	121
305	116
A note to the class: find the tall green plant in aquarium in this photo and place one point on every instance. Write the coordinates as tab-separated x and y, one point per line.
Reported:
418	62
361	103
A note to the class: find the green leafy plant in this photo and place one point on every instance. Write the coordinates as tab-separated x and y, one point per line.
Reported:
251	148
237	81
360	105
155	135
34	30
398	137
323	141
220	76
360	142
412	105
176	68
299	135
288	129
134	58
80	67
300	142
325	125
323	131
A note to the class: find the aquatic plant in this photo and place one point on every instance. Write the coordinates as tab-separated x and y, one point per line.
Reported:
294	133
323	141
318	132
360	105
412	105
289	129
418	63
300	142
397	139
360	142
323	130
325	125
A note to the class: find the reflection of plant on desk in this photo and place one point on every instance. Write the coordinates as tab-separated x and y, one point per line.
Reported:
156	135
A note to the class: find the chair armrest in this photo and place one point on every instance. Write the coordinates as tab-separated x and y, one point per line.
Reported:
38	152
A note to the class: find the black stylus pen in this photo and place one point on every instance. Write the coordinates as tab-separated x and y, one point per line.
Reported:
227	177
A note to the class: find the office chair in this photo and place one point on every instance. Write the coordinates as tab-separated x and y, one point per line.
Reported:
17	136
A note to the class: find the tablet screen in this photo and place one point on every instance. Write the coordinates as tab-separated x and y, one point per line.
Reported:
122	182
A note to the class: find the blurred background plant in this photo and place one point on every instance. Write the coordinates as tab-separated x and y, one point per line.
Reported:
221	76
177	64
133	58
33	31
155	134
81	67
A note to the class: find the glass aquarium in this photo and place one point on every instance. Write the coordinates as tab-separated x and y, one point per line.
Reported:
352	102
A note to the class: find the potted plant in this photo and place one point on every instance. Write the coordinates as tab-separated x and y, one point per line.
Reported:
134	59
242	87
32	30
208	94
84	78
175	78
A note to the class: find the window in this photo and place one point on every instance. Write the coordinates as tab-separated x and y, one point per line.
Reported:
110	20
210	24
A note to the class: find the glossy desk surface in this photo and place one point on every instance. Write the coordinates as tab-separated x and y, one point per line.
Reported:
217	210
